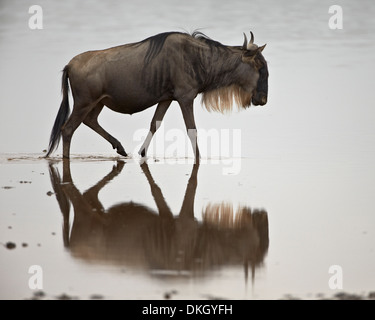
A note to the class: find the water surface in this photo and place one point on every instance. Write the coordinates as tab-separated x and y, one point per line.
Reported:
126	230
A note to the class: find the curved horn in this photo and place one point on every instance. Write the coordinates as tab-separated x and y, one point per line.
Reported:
244	46
251	46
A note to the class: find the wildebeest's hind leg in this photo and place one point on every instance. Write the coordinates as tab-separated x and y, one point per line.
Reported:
79	113
160	111
91	121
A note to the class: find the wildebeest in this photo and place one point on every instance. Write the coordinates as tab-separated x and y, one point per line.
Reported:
133	234
158	70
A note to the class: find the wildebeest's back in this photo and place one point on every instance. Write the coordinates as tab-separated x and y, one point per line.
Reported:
113	76
133	77
127	78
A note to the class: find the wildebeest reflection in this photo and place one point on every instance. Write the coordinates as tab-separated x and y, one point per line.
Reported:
135	235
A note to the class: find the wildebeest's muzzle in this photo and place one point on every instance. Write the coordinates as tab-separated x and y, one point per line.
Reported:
261	91
259	98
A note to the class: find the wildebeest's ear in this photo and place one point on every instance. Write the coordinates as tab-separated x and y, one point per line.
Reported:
260	49
250	54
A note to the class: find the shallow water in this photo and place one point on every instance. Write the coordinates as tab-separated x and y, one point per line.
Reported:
303	163
126	230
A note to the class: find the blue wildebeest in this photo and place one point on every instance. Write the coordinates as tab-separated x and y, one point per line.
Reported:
166	67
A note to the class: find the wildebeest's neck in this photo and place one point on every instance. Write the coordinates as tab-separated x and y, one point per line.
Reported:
217	71
207	61
195	59
217	68
219	76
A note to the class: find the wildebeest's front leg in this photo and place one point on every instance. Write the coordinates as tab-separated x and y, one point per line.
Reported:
160	111
188	114
163	208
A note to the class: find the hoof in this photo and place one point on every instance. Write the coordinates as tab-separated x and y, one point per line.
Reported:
143	153
122	152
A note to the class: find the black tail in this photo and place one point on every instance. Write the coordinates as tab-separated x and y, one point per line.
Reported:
62	115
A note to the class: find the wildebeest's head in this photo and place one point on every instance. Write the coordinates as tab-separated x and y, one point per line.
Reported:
252	55
244	79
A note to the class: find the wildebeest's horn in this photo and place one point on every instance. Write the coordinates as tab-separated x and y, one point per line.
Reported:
251	46
244	46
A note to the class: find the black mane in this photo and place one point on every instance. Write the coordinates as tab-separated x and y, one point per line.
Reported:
207	40
157	42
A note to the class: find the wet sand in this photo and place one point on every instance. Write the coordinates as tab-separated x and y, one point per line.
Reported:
101	227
